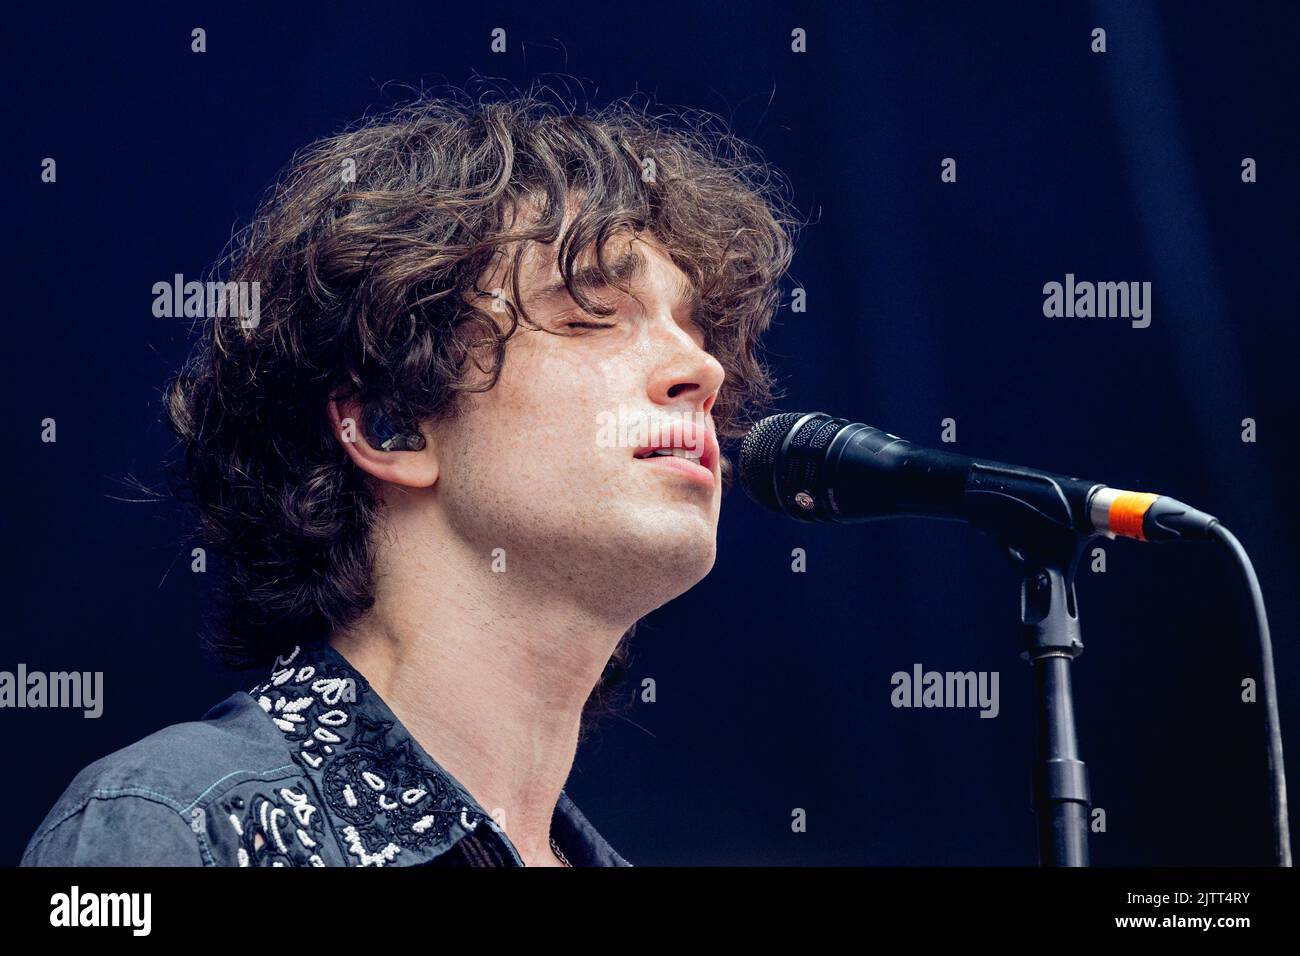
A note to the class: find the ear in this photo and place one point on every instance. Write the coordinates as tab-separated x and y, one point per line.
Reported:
410	469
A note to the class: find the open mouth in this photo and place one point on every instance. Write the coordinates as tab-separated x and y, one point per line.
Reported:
693	455
673	452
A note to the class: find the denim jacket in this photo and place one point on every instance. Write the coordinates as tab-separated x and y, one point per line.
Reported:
310	768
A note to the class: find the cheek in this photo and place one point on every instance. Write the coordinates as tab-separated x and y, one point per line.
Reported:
526	449
553	400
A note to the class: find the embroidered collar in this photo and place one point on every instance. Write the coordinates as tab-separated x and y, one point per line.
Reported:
386	799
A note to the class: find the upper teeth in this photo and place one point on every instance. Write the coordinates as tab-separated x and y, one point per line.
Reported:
676	453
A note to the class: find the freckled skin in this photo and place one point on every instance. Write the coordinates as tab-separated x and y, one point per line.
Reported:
520	466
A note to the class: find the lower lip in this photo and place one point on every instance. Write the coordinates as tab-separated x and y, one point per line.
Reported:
688	469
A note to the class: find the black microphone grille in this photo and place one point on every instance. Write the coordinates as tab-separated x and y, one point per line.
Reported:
783	463
758	456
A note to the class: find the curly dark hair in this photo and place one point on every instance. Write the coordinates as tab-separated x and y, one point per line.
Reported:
369	251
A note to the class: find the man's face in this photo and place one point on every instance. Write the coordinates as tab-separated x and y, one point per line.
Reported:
554	463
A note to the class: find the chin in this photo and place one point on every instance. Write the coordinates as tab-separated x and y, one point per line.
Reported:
675	561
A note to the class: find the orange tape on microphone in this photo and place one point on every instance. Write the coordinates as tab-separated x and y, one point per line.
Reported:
1127	511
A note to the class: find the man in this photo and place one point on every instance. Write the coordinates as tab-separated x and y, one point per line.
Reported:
469	436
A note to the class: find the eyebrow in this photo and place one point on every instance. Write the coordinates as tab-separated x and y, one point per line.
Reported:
625	269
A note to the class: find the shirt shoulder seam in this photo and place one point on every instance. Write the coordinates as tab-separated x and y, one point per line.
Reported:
272	774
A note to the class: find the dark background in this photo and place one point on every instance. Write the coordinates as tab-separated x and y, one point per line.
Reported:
924	302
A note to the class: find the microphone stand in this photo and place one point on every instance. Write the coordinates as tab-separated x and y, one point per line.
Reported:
1047	558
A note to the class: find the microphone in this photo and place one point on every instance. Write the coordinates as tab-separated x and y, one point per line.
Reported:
814	467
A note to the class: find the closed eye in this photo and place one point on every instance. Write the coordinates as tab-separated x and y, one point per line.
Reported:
588	325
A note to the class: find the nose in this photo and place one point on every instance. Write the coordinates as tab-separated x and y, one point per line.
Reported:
686	374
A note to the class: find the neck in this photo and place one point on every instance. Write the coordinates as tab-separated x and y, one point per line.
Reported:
488	671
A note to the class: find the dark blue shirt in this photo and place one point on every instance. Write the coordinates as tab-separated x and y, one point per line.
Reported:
310	768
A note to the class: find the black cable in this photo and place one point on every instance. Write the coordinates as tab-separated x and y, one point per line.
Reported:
1281	822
